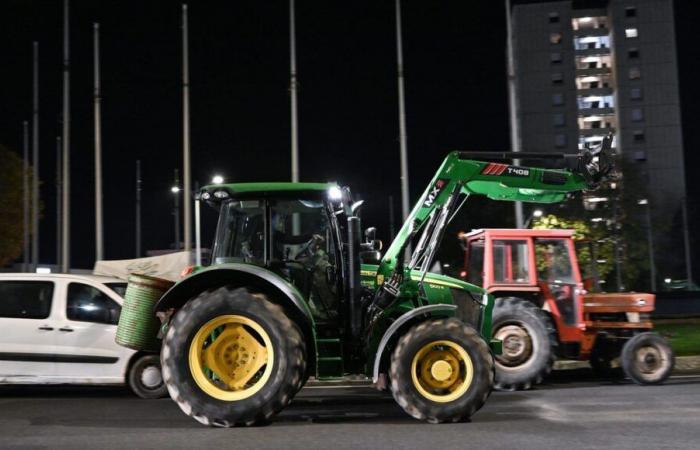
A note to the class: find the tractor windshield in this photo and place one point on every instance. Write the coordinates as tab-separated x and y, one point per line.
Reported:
240	235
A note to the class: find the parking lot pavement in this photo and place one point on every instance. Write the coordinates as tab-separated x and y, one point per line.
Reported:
570	411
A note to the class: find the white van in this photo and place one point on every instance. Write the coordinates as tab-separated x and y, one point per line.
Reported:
60	328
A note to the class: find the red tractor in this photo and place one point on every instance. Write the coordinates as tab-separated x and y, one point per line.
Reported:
543	311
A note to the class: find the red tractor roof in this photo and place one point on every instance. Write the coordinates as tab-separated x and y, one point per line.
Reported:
515	233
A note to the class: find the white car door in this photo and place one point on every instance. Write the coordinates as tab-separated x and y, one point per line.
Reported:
27	330
87	326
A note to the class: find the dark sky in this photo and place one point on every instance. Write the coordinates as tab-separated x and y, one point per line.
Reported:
455	95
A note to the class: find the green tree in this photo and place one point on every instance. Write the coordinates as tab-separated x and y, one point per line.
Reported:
12	206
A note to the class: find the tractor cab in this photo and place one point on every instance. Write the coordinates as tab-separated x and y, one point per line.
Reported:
536	264
291	229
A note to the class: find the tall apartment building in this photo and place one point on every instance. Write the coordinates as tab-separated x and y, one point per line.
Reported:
585	68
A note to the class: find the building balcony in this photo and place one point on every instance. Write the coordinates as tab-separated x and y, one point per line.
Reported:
588	132
593	51
594	71
600	92
601	31
596	111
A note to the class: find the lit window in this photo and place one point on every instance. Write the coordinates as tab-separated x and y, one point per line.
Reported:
555	58
560	140
631	11
635	73
637	115
557	99
631	32
559	120
640	155
558	78
633	53
638	136
555	38
636	93
553	17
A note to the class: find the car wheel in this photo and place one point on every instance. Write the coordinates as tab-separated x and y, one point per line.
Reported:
145	377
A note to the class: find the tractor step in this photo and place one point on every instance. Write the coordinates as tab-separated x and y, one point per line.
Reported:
330	357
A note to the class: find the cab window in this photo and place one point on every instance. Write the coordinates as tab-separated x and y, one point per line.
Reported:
475	269
88	304
26	299
553	261
511	264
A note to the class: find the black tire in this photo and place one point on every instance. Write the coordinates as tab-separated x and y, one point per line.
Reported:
417	404
285	379
647	359
145	377
522	367
602	357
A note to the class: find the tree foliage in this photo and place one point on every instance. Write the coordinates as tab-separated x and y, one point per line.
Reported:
12	204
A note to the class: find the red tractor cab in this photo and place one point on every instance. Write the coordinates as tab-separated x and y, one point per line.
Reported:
543	310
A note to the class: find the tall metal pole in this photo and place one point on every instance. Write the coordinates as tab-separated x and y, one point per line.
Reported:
686	242
25	196
35	161
293	91
197	232
402	114
65	227
176	210
58	200
99	241
187	182
650	243
138	208
391	218
515	143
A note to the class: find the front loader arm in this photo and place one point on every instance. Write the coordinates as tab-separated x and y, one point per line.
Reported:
459	175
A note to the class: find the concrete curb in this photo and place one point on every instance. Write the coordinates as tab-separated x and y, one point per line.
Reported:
684	365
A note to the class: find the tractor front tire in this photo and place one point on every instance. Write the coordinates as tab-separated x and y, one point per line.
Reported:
647	359
441	371
529	343
232	358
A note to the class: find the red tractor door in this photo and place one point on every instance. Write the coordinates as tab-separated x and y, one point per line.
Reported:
560	280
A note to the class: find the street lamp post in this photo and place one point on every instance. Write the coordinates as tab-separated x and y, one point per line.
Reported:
176	209
536	214
650	241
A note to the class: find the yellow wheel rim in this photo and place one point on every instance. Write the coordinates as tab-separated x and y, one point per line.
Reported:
442	371
231	357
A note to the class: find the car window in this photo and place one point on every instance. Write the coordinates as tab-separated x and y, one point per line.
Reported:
26	299
119	288
89	304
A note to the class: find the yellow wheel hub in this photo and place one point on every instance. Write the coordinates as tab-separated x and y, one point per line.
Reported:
442	371
231	357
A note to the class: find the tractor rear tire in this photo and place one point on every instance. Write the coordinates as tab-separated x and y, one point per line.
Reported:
647	359
441	371
232	358
529	344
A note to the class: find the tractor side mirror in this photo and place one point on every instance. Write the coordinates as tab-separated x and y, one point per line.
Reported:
370	234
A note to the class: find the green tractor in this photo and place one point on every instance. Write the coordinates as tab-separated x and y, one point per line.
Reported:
294	292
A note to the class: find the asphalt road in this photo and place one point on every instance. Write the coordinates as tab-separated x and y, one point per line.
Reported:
568	413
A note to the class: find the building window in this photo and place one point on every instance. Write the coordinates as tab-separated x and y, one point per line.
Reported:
553	17
640	155
631	32
630	11
633	53
555	58
559	120
557	78
557	99
555	38
635	73
636	93
560	140
637	115
638	136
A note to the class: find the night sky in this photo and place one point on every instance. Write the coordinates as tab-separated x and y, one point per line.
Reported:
454	55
